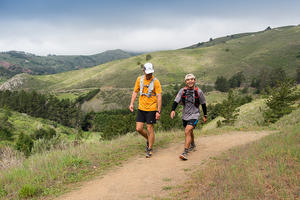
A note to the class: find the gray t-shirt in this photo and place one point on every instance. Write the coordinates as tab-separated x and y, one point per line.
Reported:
190	111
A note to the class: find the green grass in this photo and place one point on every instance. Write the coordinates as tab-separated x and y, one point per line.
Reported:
215	97
270	49
108	99
266	169
24	123
49	173
167	188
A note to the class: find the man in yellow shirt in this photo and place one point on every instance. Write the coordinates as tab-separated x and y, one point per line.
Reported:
149	89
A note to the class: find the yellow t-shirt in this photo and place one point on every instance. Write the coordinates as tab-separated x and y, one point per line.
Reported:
147	103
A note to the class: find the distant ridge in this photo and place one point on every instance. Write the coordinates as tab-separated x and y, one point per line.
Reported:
16	62
220	40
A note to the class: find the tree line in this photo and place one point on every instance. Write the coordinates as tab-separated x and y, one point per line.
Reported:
35	104
267	78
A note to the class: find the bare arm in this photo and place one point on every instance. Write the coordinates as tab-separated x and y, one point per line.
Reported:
159	100
133	97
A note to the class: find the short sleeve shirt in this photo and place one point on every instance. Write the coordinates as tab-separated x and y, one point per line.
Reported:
148	103
190	111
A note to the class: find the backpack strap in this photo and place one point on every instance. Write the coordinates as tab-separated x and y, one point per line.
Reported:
197	98
141	85
183	96
150	87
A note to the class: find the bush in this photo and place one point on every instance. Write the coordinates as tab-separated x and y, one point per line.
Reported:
24	144
222	84
166	123
227	108
46	134
148	57
280	101
236	80
5	127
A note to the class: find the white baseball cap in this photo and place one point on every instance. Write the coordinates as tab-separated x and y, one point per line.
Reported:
148	68
189	76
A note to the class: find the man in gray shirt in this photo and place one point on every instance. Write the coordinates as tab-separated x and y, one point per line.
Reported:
191	97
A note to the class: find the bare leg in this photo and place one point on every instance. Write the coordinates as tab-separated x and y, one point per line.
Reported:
192	136
188	136
141	130
151	136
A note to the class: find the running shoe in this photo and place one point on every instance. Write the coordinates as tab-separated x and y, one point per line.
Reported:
192	147
183	156
149	153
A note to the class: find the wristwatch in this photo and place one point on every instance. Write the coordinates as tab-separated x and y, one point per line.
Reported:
158	112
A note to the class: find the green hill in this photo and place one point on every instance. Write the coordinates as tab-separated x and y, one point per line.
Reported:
27	124
249	53
15	62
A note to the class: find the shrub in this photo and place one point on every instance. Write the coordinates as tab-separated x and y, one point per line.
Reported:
46	134
222	84
5	127
236	80
228	110
165	122
24	144
148	57
280	101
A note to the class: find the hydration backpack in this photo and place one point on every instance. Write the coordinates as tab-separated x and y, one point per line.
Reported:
150	87
196	96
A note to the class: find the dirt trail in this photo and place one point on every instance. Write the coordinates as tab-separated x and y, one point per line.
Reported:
143	178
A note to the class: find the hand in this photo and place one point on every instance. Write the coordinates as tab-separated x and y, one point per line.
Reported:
157	116
131	108
172	114
204	119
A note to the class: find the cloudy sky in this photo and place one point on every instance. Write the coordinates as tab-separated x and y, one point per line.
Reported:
73	27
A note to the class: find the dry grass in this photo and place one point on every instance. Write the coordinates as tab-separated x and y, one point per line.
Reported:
10	158
50	173
266	169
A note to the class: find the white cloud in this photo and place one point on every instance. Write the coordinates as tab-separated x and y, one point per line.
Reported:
70	38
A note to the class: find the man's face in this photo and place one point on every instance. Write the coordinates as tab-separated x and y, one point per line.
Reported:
190	83
148	76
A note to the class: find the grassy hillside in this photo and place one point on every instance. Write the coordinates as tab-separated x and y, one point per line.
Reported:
15	62
279	47
23	123
50	173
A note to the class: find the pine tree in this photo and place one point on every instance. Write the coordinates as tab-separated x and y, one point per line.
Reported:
229	109
280	102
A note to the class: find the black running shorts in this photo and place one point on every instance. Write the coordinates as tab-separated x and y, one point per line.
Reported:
192	122
146	116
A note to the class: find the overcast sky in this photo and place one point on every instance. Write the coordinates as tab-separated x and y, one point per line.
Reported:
73	27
